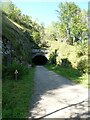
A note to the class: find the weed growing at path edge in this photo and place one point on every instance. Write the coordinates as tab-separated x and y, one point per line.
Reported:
70	73
16	96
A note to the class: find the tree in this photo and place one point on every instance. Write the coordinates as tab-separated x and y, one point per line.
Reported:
79	26
5	6
73	23
53	56
52	32
14	12
66	12
11	10
25	21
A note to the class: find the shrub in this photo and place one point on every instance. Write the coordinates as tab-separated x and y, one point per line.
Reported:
53	57
82	64
66	62
89	69
89	63
81	49
70	40
10	70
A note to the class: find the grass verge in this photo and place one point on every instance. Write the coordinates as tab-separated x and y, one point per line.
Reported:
16	96
71	74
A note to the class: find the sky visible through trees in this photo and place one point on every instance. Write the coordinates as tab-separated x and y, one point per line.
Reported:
44	12
66	41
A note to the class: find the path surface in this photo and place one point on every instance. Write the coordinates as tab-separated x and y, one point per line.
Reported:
53	92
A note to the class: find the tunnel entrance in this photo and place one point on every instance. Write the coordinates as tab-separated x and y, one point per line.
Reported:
39	60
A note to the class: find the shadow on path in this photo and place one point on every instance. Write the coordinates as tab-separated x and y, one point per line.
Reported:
77	116
53	90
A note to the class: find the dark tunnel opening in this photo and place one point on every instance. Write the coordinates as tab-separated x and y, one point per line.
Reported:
39	60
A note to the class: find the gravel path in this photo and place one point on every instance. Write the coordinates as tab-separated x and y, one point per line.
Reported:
54	92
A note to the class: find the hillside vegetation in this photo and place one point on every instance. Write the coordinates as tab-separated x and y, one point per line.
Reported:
16	55
15	41
64	59
16	49
67	43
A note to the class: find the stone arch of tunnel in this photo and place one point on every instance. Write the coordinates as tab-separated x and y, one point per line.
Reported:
39	60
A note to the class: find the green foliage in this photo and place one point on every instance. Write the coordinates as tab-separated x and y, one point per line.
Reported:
89	67
63	51
52	32
66	12
66	62
33	28
73	22
52	57
81	48
79	25
17	38
8	71
73	54
89	57
36	37
83	64
16	96
5	6
70	40
70	73
62	31
82	56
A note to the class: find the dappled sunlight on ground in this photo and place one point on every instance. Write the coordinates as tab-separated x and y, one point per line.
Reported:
53	92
